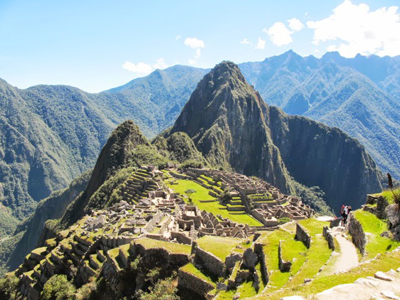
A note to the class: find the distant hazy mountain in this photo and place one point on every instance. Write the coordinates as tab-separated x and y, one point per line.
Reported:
358	95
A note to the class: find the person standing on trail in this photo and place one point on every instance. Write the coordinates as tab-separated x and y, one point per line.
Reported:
348	210
343	214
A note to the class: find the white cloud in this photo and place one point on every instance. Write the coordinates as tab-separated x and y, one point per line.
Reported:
260	44
197	44
356	29
279	34
140	68
245	41
160	64
198	53
295	24
194	43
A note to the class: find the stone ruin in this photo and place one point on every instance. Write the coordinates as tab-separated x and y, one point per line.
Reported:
150	209
260	199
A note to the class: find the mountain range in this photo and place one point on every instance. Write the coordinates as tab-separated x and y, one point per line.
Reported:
225	124
52	134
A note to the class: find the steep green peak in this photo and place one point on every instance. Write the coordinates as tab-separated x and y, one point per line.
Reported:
223	91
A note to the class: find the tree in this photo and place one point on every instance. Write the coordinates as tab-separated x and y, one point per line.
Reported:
58	288
189	192
8	287
162	290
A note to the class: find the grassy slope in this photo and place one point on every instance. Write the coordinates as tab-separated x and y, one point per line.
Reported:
213	207
373	227
172	247
221	247
307	266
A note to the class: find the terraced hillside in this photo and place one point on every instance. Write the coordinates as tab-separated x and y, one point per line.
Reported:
194	233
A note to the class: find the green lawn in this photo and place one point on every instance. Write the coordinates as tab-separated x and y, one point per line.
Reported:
213	207
306	262
374	226
383	263
172	247
221	247
294	251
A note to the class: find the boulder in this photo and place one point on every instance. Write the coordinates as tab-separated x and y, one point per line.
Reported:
382	276
393	215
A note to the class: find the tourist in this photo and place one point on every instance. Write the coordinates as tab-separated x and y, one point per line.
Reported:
342	213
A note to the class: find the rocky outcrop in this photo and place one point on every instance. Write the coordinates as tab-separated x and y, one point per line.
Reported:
376	206
357	233
381	286
393	216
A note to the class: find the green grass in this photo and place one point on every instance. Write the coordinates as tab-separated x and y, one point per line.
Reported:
172	247
221	247
213	207
375	243
294	253
306	262
40	251
383	263
245	290
191	269
388	195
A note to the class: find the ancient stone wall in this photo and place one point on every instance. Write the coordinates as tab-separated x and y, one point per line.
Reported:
210	262
329	237
284	266
258	249
181	238
302	235
193	283
357	233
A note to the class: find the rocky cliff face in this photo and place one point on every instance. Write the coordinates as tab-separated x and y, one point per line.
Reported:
225	117
318	155
233	127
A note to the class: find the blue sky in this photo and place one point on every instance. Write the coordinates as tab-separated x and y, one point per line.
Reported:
97	45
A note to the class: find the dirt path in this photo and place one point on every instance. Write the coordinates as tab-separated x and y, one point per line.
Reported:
348	253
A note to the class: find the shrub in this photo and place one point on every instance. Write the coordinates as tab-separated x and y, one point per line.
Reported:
162	290
8	287
284	220
58	288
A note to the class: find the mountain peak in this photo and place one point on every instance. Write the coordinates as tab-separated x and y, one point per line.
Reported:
224	89
226	71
